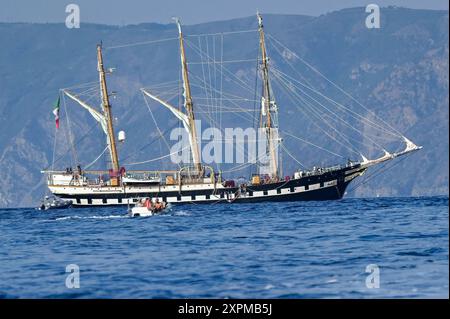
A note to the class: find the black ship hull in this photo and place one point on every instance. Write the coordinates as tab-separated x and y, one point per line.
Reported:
326	185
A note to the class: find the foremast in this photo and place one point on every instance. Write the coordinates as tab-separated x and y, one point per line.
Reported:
269	109
108	116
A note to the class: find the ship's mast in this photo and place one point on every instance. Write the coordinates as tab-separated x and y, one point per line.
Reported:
107	113
268	122
188	102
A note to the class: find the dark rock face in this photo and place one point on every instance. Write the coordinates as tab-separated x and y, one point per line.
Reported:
400	72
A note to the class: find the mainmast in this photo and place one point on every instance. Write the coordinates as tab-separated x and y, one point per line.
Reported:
108	115
188	102
268	106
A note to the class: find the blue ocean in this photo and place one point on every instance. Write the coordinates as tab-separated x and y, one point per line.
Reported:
267	250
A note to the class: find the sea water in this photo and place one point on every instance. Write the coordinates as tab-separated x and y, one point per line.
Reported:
352	248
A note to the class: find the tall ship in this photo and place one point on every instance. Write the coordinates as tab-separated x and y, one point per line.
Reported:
197	182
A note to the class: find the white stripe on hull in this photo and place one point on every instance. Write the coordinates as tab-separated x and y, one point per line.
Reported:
131	189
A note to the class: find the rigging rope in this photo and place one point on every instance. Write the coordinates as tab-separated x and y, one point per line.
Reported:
54	149
350	148
209	72
76	142
228	61
139	43
208	100
310	143
156	124
220	33
381	170
70	137
148	144
336	116
232	101
96	159
79	86
231	74
158	158
341	106
338	87
220	102
288	153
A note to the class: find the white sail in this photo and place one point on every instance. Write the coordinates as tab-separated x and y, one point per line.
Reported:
410	147
180	115
364	159
95	114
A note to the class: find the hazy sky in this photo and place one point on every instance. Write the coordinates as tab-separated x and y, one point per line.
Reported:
191	11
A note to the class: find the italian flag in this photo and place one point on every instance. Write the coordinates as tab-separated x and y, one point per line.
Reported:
56	111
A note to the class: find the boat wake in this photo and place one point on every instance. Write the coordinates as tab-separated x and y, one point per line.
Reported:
90	217
167	212
181	213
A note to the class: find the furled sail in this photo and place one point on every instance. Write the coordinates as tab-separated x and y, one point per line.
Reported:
95	114
410	147
180	115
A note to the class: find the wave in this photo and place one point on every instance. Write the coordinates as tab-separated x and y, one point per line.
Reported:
91	217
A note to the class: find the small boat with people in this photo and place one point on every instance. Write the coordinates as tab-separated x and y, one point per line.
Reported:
53	202
147	207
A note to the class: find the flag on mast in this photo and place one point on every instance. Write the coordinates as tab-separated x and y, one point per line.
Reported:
56	111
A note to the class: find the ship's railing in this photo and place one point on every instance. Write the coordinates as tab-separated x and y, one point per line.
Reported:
186	175
103	172
190	175
143	176
321	170
95	177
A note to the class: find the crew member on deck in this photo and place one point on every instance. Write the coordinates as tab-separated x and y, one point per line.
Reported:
148	204
158	205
